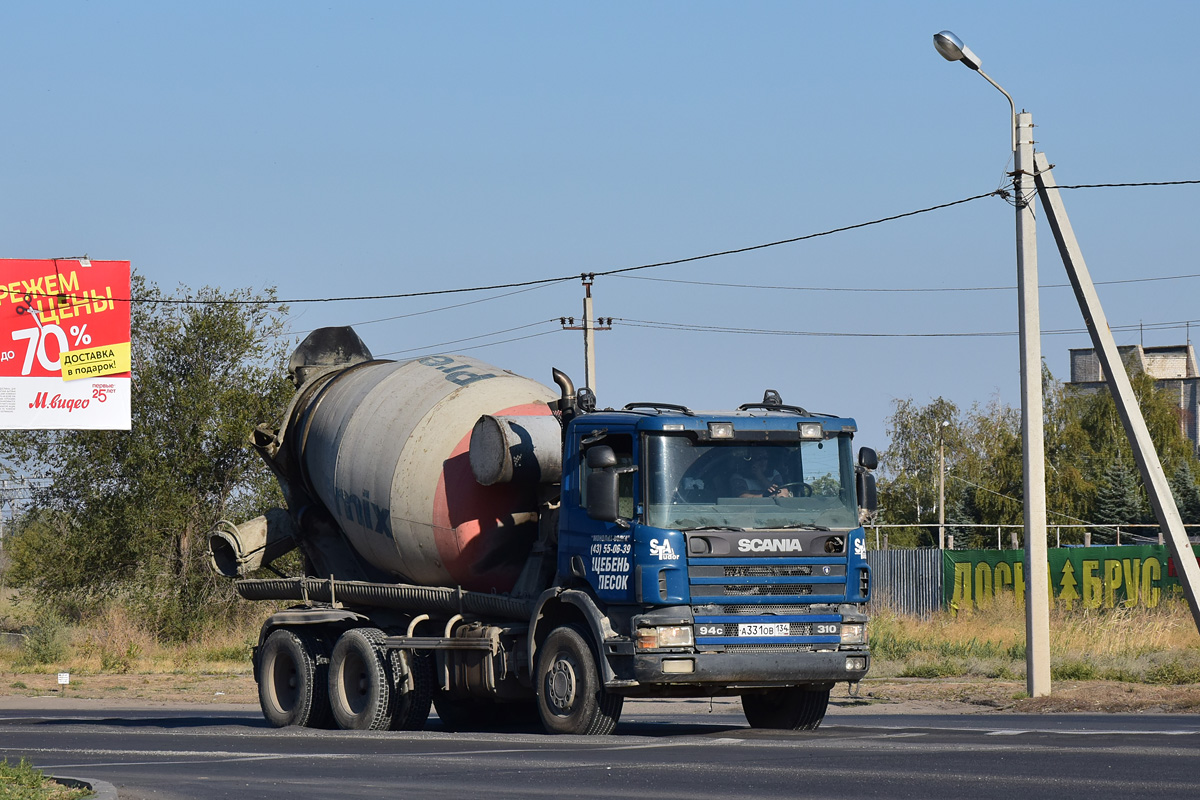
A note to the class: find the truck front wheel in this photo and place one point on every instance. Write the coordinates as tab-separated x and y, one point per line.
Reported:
794	708
291	682
571	696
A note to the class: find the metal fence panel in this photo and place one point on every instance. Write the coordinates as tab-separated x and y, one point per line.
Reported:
906	581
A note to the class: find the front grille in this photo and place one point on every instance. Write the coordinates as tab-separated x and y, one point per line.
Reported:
787	570
701	570
768	648
763	609
761	590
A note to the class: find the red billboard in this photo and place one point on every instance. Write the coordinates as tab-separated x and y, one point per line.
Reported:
64	344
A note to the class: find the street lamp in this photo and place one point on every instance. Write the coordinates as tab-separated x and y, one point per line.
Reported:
1037	600
952	49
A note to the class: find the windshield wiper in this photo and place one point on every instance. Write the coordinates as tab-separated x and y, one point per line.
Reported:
803	526
714	528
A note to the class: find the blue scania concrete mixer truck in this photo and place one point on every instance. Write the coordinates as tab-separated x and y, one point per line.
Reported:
473	540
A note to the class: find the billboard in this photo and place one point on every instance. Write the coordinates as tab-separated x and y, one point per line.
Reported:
1080	577
64	344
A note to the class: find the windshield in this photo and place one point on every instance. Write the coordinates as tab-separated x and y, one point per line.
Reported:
742	485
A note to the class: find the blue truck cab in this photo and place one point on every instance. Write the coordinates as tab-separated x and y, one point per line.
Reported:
724	549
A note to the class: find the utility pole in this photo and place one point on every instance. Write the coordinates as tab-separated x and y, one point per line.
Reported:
1037	566
1153	476
589	327
942	484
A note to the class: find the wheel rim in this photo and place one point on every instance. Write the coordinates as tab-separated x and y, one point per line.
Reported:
354	683
561	684
283	683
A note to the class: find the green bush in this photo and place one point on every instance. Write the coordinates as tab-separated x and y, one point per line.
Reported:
1072	670
1174	672
942	668
45	641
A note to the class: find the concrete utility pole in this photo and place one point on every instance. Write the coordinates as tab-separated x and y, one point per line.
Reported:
1165	510
942	484
1037	564
1037	599
590	325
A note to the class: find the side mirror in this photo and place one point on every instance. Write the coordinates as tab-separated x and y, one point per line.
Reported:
601	457
868	497
867	459
602	493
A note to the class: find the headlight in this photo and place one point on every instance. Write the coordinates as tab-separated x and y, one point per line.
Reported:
854	633
664	636
811	430
720	430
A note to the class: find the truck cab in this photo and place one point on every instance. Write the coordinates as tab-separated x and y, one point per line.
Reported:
724	551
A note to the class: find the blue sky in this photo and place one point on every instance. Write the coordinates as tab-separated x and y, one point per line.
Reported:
376	148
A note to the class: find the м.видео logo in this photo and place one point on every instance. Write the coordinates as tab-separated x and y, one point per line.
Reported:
59	402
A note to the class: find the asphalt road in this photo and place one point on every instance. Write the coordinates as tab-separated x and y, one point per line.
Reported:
661	751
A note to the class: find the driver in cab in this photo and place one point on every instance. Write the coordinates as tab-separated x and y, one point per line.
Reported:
757	478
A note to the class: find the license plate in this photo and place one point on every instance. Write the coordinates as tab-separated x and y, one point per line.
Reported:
764	629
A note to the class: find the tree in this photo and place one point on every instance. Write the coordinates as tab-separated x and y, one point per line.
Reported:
1187	494
909	466
1118	501
126	513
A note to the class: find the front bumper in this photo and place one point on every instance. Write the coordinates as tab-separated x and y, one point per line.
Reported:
749	669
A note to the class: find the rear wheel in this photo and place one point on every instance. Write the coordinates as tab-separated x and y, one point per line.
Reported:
361	691
412	707
292	681
571	696
793	708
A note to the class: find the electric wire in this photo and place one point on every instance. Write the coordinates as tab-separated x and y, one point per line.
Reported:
480	346
897	290
695	328
426	311
473	338
1000	192
806	237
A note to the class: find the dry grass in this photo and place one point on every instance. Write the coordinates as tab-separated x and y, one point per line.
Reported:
1159	645
112	642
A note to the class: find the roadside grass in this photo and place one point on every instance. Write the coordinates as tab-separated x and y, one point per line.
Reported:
22	782
1158	646
112	642
1153	646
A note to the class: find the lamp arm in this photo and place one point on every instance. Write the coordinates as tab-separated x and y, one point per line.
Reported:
1011	105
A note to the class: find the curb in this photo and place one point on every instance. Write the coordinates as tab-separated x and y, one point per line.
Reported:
101	790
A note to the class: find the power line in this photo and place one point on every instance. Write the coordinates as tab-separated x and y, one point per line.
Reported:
879	290
1001	192
1124	185
695	328
429	310
997	193
490	344
473	338
519	284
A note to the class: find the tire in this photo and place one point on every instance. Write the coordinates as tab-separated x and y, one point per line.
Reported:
291	676
794	708
412	707
361	690
571	697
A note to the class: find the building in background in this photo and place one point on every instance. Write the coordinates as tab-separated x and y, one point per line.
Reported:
1173	368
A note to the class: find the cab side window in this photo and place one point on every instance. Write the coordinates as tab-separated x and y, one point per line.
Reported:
622	447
